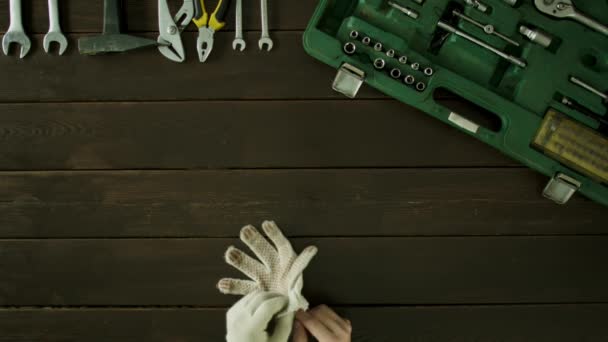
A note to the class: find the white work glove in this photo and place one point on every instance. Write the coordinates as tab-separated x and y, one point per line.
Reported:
248	319
280	269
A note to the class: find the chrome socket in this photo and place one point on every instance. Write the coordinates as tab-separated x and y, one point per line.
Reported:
395	73
409	79
379	63
350	48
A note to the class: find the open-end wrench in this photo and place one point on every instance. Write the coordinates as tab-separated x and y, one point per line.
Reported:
239	42
565	9
54	34
16	33
265	39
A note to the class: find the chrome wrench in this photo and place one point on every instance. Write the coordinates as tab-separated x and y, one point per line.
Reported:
265	39
487	28
54	34
16	33
565	9
239	42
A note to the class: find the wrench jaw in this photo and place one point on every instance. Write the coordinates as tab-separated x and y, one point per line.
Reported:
19	38
265	41
172	50
239	44
55	37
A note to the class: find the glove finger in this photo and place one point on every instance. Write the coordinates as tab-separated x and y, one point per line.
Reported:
267	308
244	263
282	328
259	245
300	264
237	286
276	236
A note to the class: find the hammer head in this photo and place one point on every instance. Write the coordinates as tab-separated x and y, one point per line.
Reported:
113	42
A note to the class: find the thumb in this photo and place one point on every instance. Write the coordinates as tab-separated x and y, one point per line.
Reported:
268	309
299	332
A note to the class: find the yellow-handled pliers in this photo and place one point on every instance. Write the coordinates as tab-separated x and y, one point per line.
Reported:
208	24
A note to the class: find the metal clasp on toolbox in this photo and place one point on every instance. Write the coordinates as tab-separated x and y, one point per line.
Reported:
348	80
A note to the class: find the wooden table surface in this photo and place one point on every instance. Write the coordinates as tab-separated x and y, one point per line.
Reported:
125	177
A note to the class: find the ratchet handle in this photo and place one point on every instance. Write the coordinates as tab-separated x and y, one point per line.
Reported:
218	17
592	23
200	14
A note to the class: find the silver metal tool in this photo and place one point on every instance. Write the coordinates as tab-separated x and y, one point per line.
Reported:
478	5
511	2
420	86
487	28
238	42
378	46
517	61
169	39
428	71
184	15
354	34
403	59
536	35
265	38
395	73
405	10
54	34
16	33
366	40
589	88
390	53
565	9
350	48
409	79
379	63
415	66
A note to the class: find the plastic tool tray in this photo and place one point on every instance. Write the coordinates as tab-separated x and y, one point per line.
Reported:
528	103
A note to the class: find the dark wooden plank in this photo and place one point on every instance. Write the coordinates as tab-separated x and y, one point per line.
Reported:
347	271
307	202
142	15
539	323
243	134
285	73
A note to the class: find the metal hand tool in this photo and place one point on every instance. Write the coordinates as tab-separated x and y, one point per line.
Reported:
478	5
487	28
55	34
405	10
537	36
169	40
512	59
565	9
239	42
265	38
111	40
589	88
208	25
16	33
184	15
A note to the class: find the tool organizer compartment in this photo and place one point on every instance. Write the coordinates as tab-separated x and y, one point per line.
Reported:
524	69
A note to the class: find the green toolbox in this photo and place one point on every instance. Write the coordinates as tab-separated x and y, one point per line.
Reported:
530	76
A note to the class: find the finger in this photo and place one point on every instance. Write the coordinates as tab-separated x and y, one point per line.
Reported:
259	245
299	333
237	286
300	264
260	297
267	309
244	263
314	326
276	236
331	319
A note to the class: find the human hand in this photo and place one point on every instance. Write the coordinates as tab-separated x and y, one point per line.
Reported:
279	268
322	323
248	319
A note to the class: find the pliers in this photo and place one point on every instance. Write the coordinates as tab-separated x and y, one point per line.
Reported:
208	25
169	39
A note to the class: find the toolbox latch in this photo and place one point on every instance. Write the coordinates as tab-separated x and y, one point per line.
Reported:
560	188
348	80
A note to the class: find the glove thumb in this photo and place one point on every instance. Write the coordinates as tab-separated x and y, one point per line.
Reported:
282	329
268	310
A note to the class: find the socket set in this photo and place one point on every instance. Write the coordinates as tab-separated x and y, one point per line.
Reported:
533	74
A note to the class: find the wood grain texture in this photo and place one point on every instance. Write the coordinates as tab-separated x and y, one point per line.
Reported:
79	16
538	323
285	73
396	202
232	134
347	271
